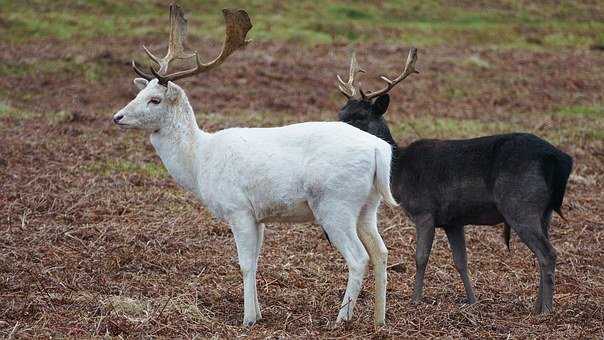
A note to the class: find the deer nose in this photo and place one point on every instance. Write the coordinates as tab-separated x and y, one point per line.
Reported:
117	118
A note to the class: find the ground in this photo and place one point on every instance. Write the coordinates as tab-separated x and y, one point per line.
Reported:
96	239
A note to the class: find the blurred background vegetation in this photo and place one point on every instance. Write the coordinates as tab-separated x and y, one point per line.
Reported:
98	37
503	24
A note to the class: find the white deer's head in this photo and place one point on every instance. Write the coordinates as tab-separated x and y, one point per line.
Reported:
153	107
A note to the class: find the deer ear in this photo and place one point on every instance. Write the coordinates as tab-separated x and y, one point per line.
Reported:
172	92
140	83
381	105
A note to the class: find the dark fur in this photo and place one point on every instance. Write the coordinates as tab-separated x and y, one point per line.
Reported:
517	179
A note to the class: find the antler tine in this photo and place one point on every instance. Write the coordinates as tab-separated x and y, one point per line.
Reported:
409	69
350	89
152	57
238	23
141	72
178	35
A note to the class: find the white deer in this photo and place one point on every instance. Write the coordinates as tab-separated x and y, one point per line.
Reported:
331	173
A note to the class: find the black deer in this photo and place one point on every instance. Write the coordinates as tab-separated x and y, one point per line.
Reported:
517	179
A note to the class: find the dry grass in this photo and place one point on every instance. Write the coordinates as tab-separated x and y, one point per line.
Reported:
96	239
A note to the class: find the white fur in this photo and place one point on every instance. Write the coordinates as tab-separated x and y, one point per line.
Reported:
328	172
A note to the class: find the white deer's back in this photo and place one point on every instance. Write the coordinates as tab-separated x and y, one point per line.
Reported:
276	170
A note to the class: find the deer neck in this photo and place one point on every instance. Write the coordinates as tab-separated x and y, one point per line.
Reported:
179	145
388	138
383	131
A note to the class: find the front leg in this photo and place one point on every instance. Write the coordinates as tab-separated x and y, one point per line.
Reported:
457	242
247	237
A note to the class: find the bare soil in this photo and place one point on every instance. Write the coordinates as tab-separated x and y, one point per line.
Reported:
90	246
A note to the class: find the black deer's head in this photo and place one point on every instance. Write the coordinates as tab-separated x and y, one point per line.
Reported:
366	111
368	115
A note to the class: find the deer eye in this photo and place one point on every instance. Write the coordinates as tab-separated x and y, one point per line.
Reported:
154	101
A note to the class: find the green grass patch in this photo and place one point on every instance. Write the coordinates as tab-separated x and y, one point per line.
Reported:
8	111
597	134
560	39
417	22
66	20
573	134
54	118
584	122
5	109
216	121
350	12
36	68
596	111
91	71
113	167
449	128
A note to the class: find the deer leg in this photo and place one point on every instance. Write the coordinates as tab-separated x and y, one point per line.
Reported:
523	201
260	228
357	260
246	233
424	230
539	305
531	233
457	242
378	253
340	225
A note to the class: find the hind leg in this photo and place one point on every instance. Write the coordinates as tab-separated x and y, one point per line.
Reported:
529	229
378	253
260	240
339	222
424	235
522	196
545	228
457	242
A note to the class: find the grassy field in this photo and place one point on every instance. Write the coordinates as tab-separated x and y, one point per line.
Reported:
96	239
503	24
